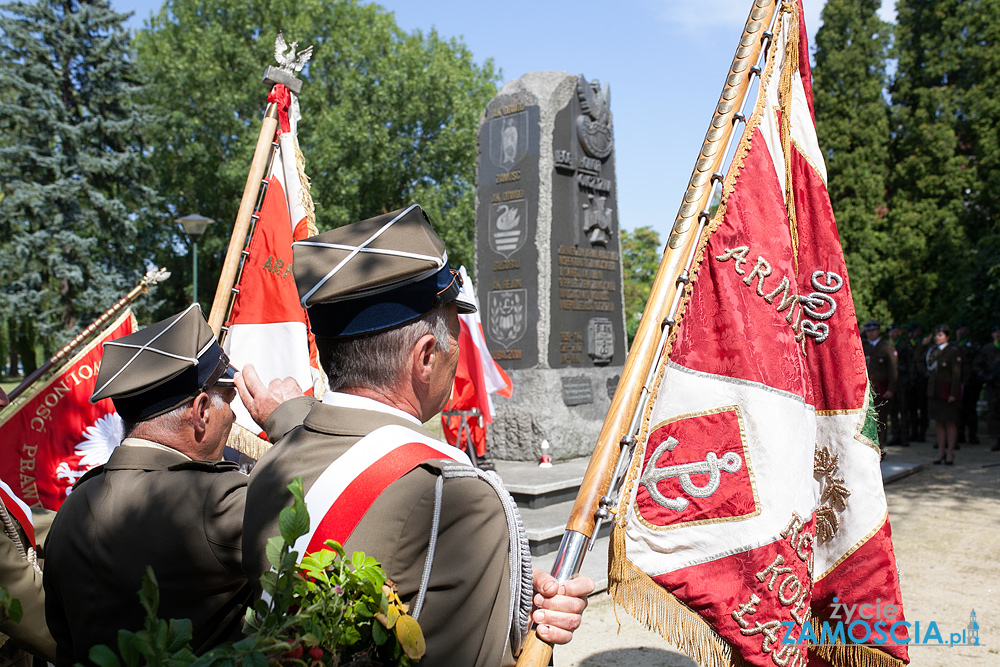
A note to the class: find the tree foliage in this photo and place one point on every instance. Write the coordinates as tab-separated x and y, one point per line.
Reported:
389	118
852	121
76	218
641	255
946	152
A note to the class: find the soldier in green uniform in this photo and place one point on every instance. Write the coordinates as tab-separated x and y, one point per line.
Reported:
989	369
972	386
163	499
916	383
898	404
383	304
881	359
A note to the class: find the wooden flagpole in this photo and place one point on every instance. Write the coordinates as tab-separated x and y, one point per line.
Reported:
151	278
251	191
617	436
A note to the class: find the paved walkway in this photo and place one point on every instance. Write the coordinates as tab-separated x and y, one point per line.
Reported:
946	532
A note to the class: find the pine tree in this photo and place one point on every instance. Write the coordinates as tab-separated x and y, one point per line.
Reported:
76	218
852	121
945	149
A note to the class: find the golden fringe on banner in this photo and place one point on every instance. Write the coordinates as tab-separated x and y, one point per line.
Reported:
853	655
661	612
247	443
305	197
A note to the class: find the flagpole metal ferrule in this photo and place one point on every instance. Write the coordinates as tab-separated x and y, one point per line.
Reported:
569	558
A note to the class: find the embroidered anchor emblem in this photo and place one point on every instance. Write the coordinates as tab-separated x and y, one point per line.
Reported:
712	465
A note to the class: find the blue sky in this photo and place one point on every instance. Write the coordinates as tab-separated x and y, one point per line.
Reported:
666	61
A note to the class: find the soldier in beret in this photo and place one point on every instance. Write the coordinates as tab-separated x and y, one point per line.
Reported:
384	304
163	499
880	357
21	577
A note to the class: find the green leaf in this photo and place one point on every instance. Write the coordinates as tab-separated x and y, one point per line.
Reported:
254	659
102	656
275	550
149	594
14	610
181	633
128	647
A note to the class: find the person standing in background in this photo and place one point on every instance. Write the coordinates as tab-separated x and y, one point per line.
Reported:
944	391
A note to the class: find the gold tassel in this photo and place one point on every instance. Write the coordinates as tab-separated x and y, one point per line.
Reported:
247	443
791	66
856	656
660	611
305	198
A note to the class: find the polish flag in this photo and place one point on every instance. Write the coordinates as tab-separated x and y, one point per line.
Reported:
267	326
477	377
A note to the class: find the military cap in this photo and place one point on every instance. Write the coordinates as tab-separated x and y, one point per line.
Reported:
159	368
375	274
872	324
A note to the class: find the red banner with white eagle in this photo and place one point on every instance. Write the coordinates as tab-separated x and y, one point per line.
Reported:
757	498
267	325
52	434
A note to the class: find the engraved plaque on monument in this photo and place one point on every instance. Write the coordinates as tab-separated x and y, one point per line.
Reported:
548	267
508	205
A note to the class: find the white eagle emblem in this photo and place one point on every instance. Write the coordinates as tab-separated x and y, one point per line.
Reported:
287	58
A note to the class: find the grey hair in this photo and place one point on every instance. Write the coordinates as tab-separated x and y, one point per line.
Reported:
168	422
378	360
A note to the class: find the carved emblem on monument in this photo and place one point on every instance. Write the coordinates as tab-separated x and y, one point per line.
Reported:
597	220
594	124
507	227
600	339
507	309
508	139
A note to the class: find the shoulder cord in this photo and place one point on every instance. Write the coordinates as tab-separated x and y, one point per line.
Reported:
519	554
28	553
431	546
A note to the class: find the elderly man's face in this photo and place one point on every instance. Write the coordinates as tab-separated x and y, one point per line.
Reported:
443	377
221	419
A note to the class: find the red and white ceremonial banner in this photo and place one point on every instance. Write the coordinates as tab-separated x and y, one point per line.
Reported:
52	434
267	325
757	497
477	377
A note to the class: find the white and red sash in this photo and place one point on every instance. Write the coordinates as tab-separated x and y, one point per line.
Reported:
19	510
344	492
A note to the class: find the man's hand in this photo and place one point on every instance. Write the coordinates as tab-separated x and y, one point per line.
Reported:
260	401
558	608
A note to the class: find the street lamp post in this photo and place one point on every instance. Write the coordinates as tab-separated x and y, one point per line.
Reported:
194	226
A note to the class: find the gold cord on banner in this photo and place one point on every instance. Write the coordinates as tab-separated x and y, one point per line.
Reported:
788	71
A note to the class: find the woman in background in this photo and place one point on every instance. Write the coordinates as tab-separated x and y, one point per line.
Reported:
944	391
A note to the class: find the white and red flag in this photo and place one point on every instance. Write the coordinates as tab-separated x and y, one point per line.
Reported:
756	498
477	377
267	326
52	434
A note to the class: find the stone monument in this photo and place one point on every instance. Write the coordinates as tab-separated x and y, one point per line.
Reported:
548	262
